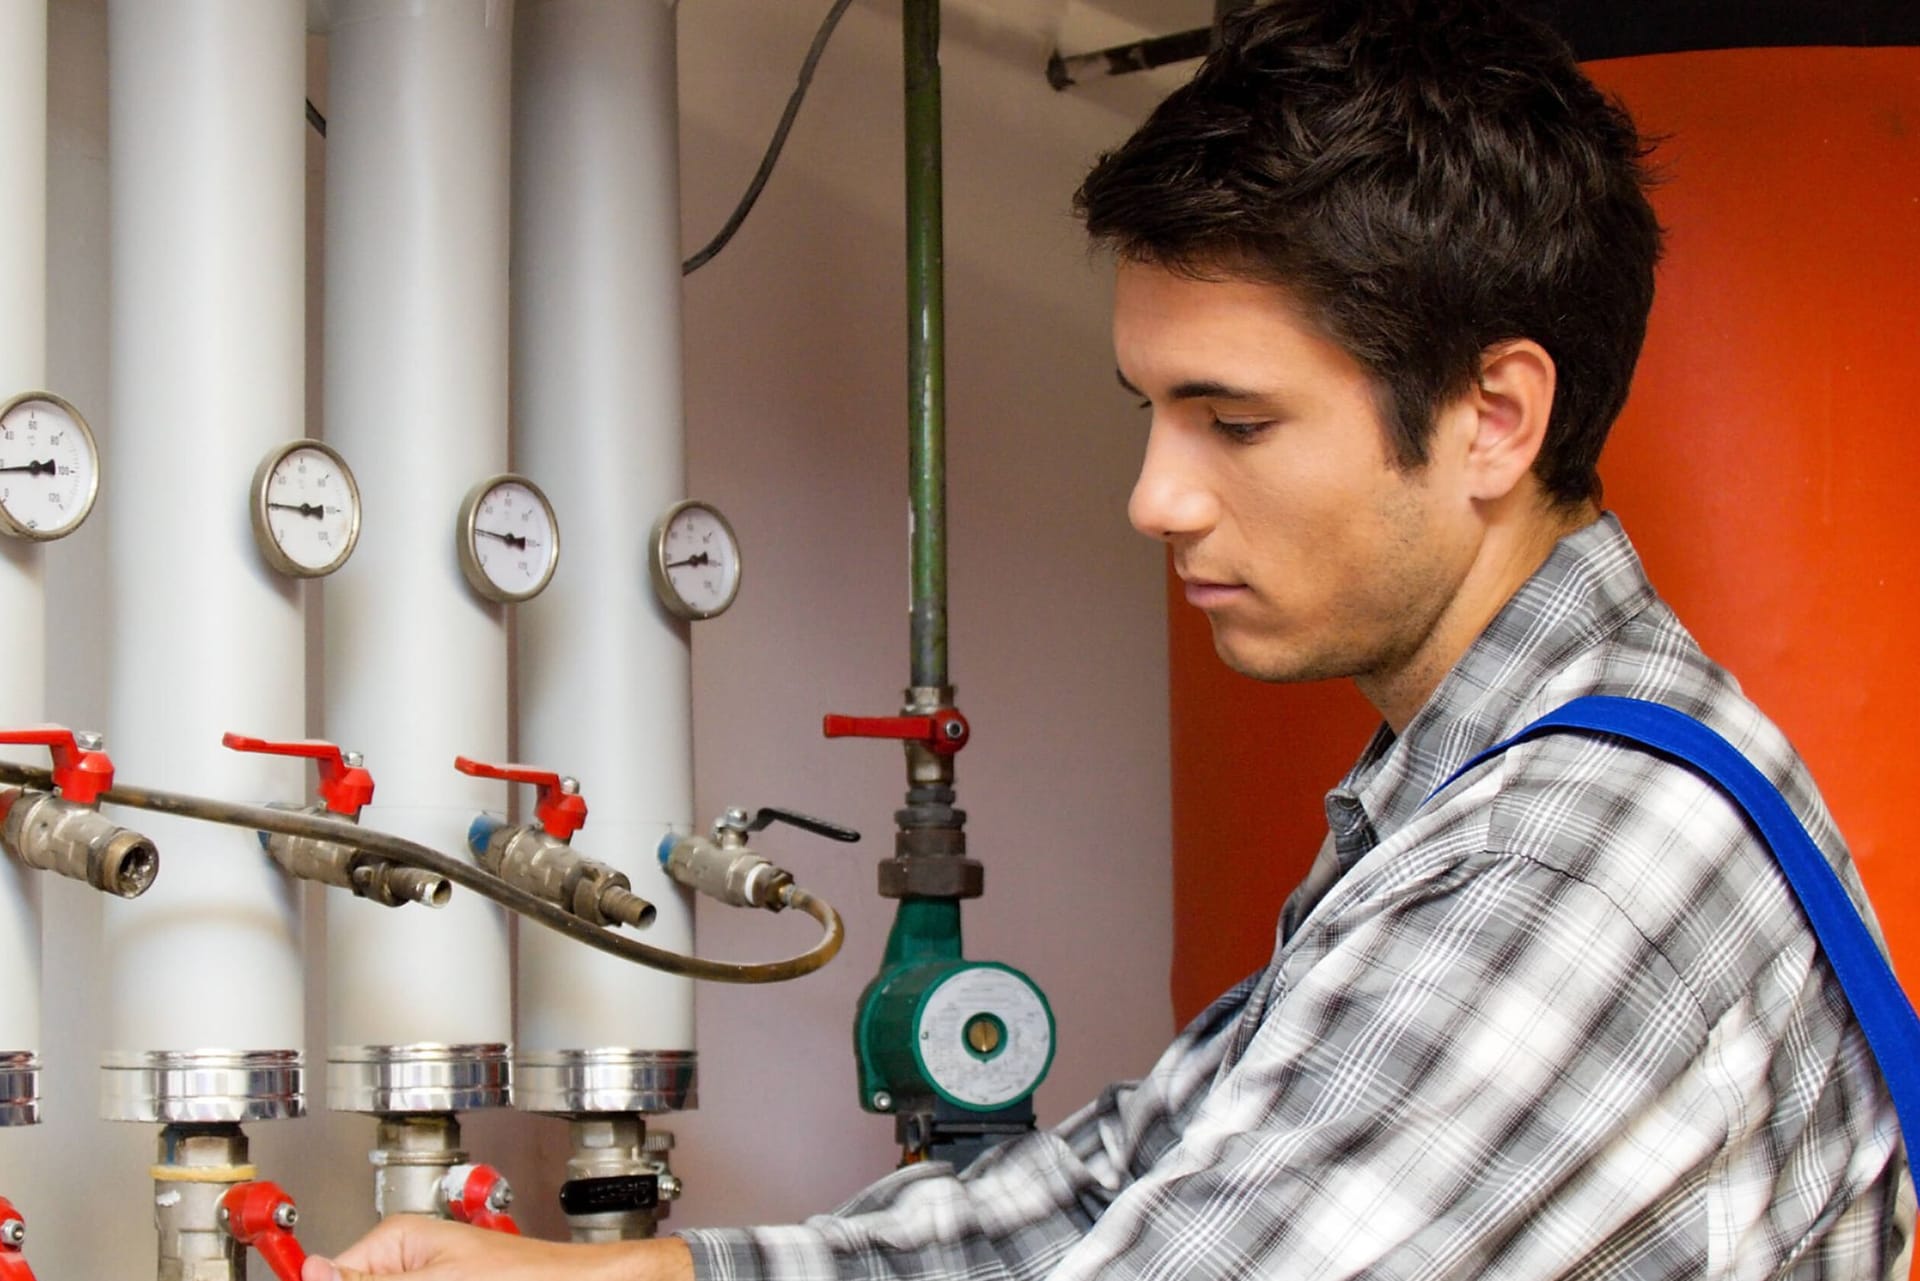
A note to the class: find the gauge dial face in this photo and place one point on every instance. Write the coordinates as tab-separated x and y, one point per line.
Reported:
984	1036
49	467
509	539
306	509
696	560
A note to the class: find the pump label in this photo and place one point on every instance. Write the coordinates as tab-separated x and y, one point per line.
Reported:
984	1037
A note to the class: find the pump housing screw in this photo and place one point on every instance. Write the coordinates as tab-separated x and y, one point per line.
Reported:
669	1186
13	1232
352	760
285	1215
87	741
569	786
882	1101
500	1198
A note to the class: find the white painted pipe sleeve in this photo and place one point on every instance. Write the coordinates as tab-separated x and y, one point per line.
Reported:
23	367
604	680
416	400
208	352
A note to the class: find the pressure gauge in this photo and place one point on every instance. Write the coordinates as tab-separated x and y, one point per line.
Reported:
695	560
306	509
983	1036
49	467
509	539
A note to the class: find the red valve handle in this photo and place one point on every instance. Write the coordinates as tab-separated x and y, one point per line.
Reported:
261	1215
943	733
471	1191
561	813
80	773
13	1231
345	789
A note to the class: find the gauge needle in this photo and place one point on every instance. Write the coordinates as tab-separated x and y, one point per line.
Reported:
33	468
699	558
511	540
305	509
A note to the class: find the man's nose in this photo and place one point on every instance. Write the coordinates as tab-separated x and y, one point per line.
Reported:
1171	498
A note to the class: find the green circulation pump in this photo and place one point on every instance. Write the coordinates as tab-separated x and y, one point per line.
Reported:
952	1048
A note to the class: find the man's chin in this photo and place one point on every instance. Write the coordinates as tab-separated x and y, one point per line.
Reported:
1274	666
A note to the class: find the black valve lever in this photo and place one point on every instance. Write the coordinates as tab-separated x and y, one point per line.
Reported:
769	815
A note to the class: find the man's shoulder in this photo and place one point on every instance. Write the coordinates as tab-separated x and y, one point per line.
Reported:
1660	840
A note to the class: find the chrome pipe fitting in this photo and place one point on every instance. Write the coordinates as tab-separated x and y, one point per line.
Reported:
202	1087
363	875
619	1184
542	864
422	1078
51	834
195	1167
411	1158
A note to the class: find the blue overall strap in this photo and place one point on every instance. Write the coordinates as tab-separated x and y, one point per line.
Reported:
1886	1016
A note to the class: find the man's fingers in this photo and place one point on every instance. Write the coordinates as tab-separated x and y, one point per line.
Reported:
403	1244
319	1269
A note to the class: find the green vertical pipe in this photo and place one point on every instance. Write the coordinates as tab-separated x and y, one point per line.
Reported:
926	345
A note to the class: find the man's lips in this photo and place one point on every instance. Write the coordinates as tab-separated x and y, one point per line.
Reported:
1206	594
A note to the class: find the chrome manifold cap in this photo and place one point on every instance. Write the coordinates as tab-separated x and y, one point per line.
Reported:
425	1077
19	1089
585	1082
182	1087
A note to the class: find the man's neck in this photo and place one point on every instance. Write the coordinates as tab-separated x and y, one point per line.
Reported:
1511	553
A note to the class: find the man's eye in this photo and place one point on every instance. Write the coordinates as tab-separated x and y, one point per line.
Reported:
1242	433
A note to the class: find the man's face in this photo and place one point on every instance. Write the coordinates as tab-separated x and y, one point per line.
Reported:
1268	472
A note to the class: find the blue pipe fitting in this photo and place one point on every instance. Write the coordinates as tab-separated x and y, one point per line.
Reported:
481	832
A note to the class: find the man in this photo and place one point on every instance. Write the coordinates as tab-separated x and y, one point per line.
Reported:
1384	272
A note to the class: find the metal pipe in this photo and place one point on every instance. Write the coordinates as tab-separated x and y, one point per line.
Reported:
295	823
926	345
208	371
1064	70
416	399
23	658
599	420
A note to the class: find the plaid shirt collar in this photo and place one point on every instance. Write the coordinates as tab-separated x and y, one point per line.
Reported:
1591	584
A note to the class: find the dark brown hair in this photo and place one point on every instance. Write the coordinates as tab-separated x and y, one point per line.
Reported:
1427	178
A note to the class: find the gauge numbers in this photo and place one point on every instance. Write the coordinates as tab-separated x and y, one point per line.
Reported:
695	560
509	539
306	509
49	467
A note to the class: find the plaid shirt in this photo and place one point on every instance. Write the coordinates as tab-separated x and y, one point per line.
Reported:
1566	1020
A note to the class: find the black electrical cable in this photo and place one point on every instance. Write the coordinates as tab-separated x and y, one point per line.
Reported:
325	828
772	157
314	118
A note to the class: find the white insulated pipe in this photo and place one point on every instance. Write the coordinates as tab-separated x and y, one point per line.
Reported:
23	367
603	670
208	352
416	400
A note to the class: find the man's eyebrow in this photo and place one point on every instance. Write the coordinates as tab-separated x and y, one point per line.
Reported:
1196	389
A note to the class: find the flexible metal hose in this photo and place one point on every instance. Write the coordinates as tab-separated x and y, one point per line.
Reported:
294	823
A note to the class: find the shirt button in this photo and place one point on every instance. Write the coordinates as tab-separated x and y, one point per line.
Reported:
1344	814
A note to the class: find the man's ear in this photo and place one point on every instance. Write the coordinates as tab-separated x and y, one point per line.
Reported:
1510	406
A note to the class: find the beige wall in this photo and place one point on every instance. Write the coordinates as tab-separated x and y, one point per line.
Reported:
796	395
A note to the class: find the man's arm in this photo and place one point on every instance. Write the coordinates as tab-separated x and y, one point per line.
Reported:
441	1251
1009	1213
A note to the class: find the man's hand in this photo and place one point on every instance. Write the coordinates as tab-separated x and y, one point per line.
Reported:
440	1251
